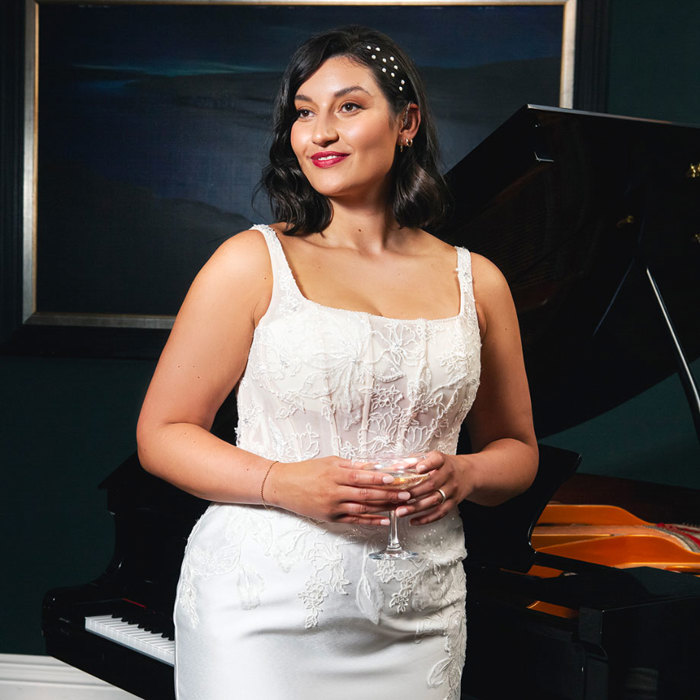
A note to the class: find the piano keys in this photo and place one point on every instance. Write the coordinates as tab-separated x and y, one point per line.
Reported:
157	645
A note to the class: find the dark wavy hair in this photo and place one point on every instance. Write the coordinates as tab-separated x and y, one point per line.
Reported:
418	193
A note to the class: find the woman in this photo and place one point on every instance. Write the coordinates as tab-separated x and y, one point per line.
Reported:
347	331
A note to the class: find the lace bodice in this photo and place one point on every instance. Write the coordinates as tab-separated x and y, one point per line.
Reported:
322	381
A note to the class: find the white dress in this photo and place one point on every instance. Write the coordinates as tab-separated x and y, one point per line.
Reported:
275	606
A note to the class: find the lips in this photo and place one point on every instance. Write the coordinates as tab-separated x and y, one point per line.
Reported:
327	159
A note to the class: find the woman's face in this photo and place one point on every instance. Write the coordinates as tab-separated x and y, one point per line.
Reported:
345	134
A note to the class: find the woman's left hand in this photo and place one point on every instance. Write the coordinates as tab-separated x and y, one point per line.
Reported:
435	497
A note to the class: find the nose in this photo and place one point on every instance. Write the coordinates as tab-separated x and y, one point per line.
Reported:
324	130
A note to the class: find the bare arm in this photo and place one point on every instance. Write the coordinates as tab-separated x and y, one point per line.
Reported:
500	422
201	363
505	456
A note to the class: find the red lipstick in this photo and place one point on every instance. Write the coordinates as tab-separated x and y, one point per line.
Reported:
327	159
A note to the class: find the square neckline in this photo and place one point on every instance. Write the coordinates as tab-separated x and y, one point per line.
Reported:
368	314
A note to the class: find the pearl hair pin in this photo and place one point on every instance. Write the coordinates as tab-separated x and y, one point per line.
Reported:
389	63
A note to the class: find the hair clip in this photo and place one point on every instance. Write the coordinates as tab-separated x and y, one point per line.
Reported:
390	62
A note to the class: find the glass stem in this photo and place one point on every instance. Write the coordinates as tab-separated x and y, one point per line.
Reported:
393	545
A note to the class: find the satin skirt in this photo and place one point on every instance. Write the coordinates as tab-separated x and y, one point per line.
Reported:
278	607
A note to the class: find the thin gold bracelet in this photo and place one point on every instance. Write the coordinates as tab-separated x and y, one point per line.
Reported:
262	486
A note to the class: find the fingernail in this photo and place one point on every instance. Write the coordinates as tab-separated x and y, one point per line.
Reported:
388	479
385	521
400	512
404	495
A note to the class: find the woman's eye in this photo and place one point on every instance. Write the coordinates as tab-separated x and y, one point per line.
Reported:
303	113
350	107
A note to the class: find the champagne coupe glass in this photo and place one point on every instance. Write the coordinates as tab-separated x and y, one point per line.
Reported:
403	469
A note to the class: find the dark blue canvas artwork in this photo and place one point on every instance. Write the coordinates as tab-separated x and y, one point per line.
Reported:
153	124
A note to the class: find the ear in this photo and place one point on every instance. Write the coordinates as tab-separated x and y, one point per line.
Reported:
409	121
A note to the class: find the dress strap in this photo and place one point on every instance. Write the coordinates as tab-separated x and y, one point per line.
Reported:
466	282
273	245
284	286
464	270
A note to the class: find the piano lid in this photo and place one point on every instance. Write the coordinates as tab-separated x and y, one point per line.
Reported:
574	207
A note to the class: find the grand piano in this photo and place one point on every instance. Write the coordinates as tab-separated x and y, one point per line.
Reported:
594	220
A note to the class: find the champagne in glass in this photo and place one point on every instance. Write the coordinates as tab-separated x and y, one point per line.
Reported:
403	469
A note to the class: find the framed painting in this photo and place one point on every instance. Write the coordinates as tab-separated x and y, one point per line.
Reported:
145	128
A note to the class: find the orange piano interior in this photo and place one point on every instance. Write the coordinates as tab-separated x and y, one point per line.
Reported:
610	535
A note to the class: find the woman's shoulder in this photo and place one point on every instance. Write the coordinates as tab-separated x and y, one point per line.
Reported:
492	294
239	271
484	272
249	243
486	275
241	264
247	252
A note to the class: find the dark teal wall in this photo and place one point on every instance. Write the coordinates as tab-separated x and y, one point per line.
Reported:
654	67
65	424
650	438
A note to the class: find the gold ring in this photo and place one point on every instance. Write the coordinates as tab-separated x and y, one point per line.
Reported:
443	494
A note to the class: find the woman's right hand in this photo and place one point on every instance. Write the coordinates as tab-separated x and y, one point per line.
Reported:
333	490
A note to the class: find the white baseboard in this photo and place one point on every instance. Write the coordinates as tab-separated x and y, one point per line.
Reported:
24	677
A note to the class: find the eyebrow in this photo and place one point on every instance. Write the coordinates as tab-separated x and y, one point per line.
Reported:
338	93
